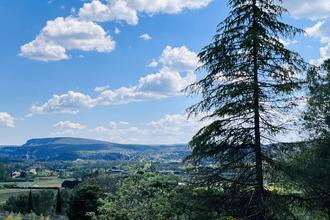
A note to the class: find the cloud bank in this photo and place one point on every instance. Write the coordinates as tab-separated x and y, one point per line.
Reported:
83	33
171	129
176	74
129	10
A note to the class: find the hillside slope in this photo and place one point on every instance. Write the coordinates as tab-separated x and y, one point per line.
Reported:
65	148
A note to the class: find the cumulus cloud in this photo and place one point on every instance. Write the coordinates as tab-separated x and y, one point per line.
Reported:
6	120
100	89
321	30
69	125
175	75
178	59
145	37
128	10
117	31
66	103
308	9
82	33
318	10
170	129
61	133
153	63
64	34
118	134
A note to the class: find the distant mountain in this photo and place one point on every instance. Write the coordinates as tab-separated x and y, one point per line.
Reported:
67	148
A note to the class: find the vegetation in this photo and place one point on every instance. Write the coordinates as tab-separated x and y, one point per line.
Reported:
236	169
84	199
4	174
251	83
309	168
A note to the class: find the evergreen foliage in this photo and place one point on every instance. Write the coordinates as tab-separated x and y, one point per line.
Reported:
142	196
30	203
251	82
59	203
43	201
84	199
309	168
4	174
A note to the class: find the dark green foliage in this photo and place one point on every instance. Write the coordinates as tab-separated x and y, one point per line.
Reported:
84	199
17	204
250	83
142	196
42	201
309	169
58	203
317	116
107	183
30	203
4	174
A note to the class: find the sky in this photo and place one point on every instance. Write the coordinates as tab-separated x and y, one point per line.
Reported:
114	70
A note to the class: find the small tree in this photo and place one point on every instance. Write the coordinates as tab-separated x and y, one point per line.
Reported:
30	203
4	174
58	203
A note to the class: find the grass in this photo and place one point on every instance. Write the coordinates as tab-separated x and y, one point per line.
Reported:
41	181
6	193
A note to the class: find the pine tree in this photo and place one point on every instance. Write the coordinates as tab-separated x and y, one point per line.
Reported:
30	203
251	80
59	203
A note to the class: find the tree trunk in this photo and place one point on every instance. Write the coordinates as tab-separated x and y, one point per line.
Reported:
259	175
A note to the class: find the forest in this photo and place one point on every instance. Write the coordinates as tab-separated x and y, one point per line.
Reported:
238	168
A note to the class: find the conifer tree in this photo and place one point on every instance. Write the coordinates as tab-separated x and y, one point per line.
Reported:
59	203
251	80
30	203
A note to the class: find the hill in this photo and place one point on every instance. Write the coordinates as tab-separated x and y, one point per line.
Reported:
67	148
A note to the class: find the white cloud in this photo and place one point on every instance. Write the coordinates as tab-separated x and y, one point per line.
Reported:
69	124
124	123
171	129
314	10
66	103
117	31
321	30
61	133
153	63
81	33
167	82
287	42
113	125
308	9
119	135
102	88
145	37
61	35
6	120
128	10
179	59
116	10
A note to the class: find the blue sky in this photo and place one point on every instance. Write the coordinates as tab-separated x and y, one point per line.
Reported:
113	70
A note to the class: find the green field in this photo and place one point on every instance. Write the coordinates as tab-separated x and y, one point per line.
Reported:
6	193
42	182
